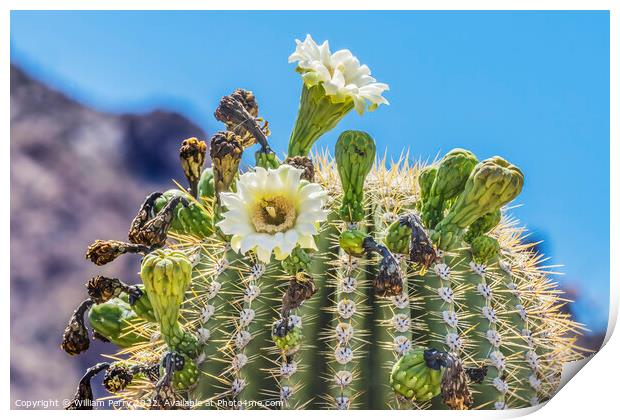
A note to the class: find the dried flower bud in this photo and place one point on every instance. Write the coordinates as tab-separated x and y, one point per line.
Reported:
83	399
239	111
389	279
192	154
226	151
75	337
454	389
101	289
421	249
154	233
102	252
299	290
476	375
304	163
117	378
146	212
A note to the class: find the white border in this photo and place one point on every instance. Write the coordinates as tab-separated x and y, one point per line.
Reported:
593	395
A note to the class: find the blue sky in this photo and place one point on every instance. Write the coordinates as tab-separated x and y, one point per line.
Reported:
530	86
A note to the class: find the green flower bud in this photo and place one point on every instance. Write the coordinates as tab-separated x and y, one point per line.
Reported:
226	151
413	379
484	249
482	225
192	219
355	155
114	321
449	181
286	335
425	180
187	377
352	242
398	238
493	183
316	116
166	275
298	261
266	159
205	185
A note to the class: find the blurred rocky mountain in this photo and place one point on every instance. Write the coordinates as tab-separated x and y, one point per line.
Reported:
76	175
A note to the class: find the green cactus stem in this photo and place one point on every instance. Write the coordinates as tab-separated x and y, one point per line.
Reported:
317	115
447	182
355	155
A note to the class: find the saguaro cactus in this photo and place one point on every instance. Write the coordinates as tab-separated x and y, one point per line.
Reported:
312	281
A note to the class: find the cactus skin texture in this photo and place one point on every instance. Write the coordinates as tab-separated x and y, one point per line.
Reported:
413	261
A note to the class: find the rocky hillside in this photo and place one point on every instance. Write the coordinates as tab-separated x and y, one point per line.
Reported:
76	175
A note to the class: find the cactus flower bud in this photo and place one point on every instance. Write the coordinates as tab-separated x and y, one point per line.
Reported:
166	275
449	181
226	151
297	262
286	335
425	180
83	399
75	337
191	219
206	188
304	163
267	160
412	378
398	237
493	183
482	225
484	249
113	321
352	242
192	155
355	155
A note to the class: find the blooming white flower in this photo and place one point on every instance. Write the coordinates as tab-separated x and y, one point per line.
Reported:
341	74
273	210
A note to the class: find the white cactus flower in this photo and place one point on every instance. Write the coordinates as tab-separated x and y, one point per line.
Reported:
340	73
273	210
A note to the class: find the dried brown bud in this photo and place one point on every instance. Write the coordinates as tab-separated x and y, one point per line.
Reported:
247	98
299	290
154	233
192	154
101	289
226	151
239	111
117	378
304	163
75	337
454	389
421	249
83	399
102	252
146	212
389	279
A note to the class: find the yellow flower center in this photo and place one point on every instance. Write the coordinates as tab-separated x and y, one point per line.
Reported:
274	214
